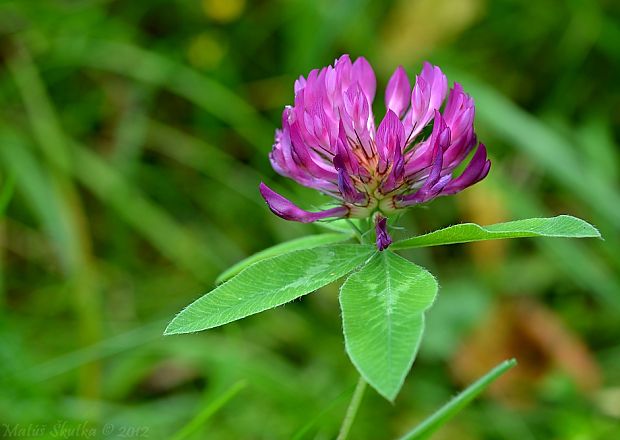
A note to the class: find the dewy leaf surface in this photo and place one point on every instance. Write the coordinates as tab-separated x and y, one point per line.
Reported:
564	226
307	242
270	283
383	308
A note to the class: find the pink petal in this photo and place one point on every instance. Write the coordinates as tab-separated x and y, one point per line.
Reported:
390	139
362	73
282	207
428	95
398	92
476	170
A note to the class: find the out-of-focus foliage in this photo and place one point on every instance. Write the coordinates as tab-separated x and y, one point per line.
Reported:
133	136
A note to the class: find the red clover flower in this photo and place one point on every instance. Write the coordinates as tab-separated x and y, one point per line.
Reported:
328	142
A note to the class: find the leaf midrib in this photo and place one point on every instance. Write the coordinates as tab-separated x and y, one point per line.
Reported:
388	316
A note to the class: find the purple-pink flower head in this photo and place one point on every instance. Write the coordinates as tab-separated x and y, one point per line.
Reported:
329	142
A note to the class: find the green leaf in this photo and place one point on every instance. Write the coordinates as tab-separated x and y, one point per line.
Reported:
307	242
561	226
425	429
269	283
383	318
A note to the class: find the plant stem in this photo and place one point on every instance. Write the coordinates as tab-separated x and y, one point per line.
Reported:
354	405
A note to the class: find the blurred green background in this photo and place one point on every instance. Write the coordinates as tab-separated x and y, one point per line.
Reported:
133	136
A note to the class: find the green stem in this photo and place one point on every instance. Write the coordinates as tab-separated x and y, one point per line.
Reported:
354	405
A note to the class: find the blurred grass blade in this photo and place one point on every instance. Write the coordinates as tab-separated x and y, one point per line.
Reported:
76	249
203	416
155	224
268	284
102	179
203	157
454	406
597	141
156	69
130	340
562	226
36	185
324	411
7	191
307	242
42	115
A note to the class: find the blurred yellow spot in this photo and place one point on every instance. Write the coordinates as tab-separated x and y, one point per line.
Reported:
223	10
414	28
484	205
205	52
608	400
